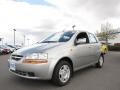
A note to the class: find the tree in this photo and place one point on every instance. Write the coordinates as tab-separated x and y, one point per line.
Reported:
106	33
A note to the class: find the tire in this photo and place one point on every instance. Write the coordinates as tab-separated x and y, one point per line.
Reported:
62	73
100	62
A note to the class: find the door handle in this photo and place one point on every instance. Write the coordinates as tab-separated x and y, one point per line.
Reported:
90	46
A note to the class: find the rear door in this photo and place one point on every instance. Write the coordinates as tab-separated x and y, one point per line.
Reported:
94	46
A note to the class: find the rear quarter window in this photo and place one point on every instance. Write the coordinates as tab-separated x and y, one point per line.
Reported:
92	38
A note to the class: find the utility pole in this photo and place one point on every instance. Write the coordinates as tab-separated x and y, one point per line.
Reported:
14	36
24	40
2	40
73	27
28	41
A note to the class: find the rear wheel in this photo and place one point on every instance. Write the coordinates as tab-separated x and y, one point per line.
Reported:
62	73
100	62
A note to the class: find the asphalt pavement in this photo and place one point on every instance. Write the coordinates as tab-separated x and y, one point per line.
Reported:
91	78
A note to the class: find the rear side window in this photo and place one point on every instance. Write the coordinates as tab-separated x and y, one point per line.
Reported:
92	38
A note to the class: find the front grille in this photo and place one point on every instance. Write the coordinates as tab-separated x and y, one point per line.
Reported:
30	74
16	57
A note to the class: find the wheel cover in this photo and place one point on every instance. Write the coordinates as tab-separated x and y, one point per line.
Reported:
64	73
101	61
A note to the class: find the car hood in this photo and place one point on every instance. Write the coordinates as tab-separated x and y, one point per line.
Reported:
38	48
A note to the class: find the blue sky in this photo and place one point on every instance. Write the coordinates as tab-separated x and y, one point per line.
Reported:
42	2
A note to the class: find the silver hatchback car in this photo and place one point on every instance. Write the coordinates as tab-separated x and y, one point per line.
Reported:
57	57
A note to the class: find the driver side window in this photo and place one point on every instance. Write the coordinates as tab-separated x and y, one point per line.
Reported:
82	38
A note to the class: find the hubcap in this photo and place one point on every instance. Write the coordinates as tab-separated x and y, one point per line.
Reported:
64	73
101	61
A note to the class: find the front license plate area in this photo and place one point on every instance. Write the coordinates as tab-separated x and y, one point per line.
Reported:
12	65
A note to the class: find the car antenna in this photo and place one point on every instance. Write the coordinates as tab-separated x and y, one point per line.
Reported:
63	30
73	27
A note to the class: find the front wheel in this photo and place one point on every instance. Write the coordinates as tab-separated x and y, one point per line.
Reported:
100	62
62	73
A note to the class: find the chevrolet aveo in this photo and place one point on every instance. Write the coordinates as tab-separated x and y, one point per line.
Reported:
57	57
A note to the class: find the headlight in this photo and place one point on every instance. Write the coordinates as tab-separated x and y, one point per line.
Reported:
36	58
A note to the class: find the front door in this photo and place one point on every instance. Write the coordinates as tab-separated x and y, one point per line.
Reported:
82	50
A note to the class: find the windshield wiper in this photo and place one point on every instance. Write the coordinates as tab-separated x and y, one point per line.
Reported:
49	41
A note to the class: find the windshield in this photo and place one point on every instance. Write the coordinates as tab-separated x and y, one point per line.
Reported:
59	37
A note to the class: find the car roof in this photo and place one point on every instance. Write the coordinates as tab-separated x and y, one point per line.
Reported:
77	31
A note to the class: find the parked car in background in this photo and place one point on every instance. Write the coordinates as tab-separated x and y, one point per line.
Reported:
1	51
4	50
12	47
18	47
57	57
116	44
9	48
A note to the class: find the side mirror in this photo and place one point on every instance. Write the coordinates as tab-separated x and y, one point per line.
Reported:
81	41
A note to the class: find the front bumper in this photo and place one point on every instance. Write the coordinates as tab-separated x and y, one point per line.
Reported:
32	71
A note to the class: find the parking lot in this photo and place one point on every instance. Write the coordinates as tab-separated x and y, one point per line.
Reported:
91	78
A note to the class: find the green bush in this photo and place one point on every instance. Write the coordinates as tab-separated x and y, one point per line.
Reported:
114	48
